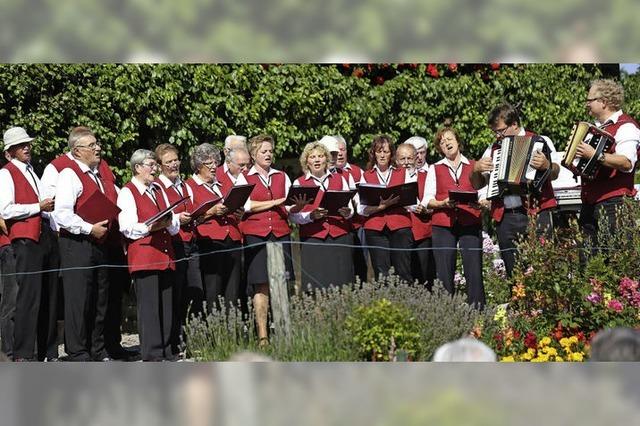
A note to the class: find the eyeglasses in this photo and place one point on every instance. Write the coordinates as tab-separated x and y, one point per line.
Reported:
500	132
150	165
241	165
210	164
589	100
92	145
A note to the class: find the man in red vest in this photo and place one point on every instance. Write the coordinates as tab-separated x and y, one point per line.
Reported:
84	247
25	210
511	212
614	180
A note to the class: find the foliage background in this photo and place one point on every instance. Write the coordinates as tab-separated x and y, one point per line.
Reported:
132	106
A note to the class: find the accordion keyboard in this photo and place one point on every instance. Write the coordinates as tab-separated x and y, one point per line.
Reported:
492	187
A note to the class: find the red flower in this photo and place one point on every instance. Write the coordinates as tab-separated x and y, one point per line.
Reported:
580	336
497	337
378	80
517	334
453	67
432	70
495	66
358	72
542	241
530	340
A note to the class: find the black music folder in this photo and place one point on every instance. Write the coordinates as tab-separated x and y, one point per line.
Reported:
463	197
98	208
370	195
238	196
164	213
203	208
333	201
299	191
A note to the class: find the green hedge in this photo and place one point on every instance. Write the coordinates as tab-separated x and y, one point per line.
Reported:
132	106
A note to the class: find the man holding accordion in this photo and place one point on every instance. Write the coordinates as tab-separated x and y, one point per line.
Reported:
613	177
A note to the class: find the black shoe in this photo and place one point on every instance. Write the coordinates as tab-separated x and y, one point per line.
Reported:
122	354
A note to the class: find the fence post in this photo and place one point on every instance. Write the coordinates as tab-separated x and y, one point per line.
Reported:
278	290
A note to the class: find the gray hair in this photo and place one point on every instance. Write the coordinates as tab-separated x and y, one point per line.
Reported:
618	344
138	157
203	153
466	349
229	139
340	139
231	155
417	142
78	133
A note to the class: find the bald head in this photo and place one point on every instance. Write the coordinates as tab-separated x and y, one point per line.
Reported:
406	156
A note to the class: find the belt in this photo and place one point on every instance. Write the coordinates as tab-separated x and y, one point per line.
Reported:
516	210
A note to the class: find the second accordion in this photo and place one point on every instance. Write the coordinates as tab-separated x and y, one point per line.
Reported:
512	170
600	140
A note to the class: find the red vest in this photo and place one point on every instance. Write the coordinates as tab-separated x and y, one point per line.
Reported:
356	173
186	231
608	182
394	217
106	174
546	200
335	226
155	251
269	221
462	214
421	224
89	186
216	227
24	194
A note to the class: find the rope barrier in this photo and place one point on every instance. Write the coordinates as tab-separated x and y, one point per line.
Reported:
301	243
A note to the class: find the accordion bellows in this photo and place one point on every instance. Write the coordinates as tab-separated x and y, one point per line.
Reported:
512	171
600	140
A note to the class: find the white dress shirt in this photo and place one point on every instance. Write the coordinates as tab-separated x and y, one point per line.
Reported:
175	186
510	201
49	178
8	207
68	189
128	218
323	182
431	186
627	139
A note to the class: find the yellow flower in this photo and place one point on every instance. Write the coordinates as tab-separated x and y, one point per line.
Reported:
531	351
607	297
526	357
573	339
507	359
559	359
546	340
549	351
577	356
564	342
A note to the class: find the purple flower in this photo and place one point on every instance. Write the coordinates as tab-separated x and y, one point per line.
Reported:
499	268
488	247
594	298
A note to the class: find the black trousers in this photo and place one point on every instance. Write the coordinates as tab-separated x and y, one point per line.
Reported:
324	264
119	283
154	296
9	292
423	263
359	256
37	297
590	215
187	289
86	293
513	227
221	272
382	259
469	240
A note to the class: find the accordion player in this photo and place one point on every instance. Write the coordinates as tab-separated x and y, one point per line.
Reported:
512	170
600	140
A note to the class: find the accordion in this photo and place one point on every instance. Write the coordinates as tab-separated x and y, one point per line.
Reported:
512	171
600	140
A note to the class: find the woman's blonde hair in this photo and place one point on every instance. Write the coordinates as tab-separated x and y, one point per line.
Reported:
256	142
308	149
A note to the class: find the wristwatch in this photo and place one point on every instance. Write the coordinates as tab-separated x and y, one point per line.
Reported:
600	158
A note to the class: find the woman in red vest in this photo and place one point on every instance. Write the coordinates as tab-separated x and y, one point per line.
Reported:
328	235
218	232
387	225
265	221
454	224
150	255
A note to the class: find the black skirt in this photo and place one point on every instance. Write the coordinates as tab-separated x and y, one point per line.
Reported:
324	264
256	259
